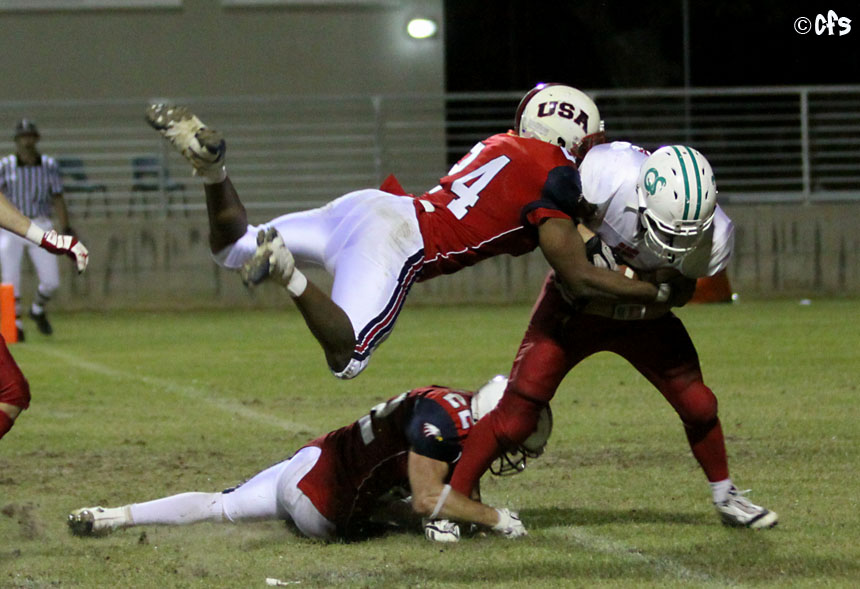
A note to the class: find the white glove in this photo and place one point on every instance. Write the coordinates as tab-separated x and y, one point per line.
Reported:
57	244
273	260
509	524
442	530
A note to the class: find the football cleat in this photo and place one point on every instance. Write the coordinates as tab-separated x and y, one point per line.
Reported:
203	147
739	511
42	323
98	521
272	258
441	530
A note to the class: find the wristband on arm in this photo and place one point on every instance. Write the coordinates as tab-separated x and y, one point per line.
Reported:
297	284
35	234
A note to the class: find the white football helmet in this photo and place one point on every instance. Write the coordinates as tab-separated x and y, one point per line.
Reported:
512	461
677	199
560	115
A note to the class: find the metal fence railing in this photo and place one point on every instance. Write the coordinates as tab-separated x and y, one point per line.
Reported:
284	153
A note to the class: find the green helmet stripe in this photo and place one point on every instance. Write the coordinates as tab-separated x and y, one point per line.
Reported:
686	183
698	182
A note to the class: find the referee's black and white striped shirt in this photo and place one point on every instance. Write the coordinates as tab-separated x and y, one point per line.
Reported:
31	188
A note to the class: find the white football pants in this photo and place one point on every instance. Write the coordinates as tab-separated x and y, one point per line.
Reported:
12	248
369	241
269	495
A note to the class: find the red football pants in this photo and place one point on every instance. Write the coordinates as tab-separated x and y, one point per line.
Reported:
557	339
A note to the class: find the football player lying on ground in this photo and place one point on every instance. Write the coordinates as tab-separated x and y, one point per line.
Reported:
343	485
14	389
513	192
656	213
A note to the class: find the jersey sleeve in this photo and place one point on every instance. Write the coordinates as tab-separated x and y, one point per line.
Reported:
559	197
724	242
714	253
431	432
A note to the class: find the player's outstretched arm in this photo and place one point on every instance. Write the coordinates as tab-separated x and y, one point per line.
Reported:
14	221
11	218
565	251
433	499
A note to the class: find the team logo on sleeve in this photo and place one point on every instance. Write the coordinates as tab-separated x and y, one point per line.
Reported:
431	431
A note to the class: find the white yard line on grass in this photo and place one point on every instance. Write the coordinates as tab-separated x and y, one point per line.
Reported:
191	392
622	551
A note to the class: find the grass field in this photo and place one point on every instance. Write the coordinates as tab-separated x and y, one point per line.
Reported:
133	406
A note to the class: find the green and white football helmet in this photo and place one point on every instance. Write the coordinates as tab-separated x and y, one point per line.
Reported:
677	199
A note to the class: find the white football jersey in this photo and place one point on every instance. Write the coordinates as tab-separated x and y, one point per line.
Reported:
609	173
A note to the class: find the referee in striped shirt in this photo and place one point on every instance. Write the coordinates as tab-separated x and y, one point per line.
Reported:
31	182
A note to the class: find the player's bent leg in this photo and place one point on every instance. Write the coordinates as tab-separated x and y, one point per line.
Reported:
696	405
328	323
228	220
509	424
293	502
541	363
377	257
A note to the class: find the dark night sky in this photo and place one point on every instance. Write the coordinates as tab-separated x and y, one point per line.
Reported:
598	44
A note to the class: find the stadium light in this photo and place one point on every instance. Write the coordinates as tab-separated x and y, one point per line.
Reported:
422	28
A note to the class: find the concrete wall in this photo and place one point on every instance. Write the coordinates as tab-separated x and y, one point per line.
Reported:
780	250
206	49
796	249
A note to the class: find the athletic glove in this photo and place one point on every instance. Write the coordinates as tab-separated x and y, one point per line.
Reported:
441	530
600	254
60	245
509	524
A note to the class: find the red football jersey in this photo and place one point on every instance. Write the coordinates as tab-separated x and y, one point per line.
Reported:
364	460
491	202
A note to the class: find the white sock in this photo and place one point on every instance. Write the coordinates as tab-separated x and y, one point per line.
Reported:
118	517
215	176
720	490
185	508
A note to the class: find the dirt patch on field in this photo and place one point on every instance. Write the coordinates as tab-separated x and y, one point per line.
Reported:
30	526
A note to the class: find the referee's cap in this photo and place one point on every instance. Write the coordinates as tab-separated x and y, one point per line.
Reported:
26	127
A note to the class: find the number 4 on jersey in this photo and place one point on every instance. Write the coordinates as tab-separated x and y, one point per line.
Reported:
468	194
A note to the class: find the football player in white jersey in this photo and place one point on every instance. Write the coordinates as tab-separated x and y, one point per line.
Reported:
657	214
646	213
